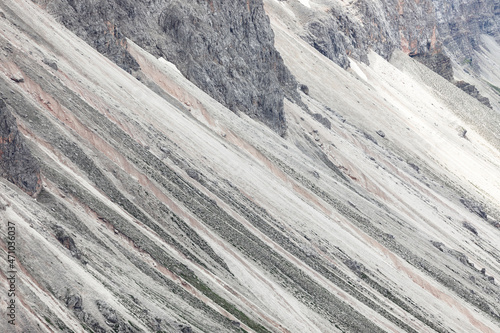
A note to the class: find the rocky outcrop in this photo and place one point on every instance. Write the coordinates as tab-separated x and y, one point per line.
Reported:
225	47
433	32
67	241
380	26
472	90
461	22
16	162
95	23
441	64
422	28
438	63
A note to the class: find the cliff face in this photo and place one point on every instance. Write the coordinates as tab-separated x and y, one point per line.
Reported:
225	47
415	27
16	162
436	33
460	24
382	26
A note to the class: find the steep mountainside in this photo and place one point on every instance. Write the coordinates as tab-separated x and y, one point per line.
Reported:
432	31
225	47
134	199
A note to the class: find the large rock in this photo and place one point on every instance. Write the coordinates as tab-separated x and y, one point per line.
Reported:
472	90
381	26
439	63
225	47
16	162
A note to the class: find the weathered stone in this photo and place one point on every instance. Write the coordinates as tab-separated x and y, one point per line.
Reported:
67	241
323	120
470	227
381	27
225	47
17	164
462	132
304	89
472	90
193	174
114	320
17	77
186	329
437	62
474	207
51	63
431	31
73	301
461	24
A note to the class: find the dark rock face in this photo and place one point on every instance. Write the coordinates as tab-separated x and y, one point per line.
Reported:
438	63
462	22
421	29
225	47
472	90
67	241
16	162
95	23
382	27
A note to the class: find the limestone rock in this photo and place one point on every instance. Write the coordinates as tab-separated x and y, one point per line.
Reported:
381	27
224	47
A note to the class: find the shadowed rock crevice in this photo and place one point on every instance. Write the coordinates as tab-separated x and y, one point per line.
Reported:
16	162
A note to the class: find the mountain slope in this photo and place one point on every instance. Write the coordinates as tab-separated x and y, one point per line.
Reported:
162	210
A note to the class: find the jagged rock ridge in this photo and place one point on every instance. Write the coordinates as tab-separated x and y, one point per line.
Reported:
382	26
224	47
431	31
